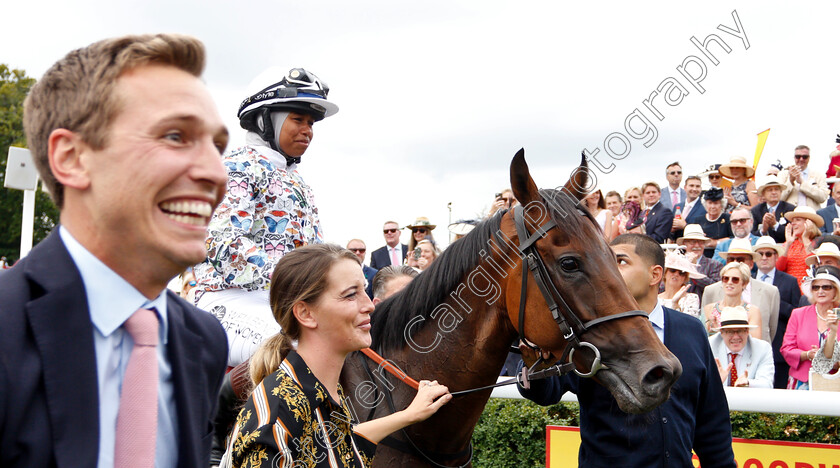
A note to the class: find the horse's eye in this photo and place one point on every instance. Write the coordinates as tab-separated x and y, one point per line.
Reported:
569	265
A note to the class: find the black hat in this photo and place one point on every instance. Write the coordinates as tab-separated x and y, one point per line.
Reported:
713	194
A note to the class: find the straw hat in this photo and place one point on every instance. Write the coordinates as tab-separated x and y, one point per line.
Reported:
736	161
767	242
423	222
740	247
826	249
734	317
805	212
769	181
676	261
692	231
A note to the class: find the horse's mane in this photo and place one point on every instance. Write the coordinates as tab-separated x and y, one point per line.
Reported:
432	287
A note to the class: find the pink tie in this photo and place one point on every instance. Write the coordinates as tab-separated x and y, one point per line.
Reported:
674	199
137	417
394	260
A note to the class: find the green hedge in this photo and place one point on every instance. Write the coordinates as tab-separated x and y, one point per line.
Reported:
512	432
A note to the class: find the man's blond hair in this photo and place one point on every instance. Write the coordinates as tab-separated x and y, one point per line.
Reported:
77	93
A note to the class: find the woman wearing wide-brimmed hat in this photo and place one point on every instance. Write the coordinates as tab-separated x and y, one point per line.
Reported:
742	192
808	326
420	229
678	271
802	229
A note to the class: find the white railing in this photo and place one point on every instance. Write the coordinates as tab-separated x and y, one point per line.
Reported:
755	400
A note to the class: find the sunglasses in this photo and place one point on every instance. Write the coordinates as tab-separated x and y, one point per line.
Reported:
801	156
420	230
824	287
767	254
739	220
714	177
355	249
675	173
389	231
730	279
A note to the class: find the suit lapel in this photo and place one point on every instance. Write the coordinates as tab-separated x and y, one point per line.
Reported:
184	349
63	333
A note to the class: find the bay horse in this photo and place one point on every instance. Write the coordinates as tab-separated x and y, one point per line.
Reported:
455	322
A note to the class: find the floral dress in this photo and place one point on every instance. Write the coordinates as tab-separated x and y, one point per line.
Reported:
290	420
268	210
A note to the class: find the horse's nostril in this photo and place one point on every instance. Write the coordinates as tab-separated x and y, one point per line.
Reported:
657	375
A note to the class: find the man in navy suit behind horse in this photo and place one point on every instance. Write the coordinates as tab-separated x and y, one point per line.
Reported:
100	366
695	417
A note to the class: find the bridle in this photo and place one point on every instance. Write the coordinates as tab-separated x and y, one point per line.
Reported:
570	325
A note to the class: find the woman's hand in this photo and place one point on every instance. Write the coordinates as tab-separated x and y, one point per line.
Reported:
679	295
430	397
422	263
789	234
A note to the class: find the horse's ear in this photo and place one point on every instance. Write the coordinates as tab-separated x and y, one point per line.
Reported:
579	180
523	186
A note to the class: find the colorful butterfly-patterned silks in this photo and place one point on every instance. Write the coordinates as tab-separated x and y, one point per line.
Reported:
268	211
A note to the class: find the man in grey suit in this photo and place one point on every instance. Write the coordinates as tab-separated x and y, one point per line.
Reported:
742	360
762	295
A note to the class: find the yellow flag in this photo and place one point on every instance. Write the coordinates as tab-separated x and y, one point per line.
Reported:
762	139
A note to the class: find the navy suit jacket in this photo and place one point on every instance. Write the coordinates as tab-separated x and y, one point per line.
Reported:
695	416
379	258
828	214
697	213
666	197
659	222
789	296
49	407
777	234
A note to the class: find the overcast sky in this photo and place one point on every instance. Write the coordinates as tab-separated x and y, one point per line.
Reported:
436	97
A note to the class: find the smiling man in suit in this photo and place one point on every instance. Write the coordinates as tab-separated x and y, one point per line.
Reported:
658	219
100	365
742	361
673	192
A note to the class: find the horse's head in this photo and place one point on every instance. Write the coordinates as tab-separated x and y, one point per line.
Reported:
582	279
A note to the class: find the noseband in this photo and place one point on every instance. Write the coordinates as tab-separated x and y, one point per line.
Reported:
570	325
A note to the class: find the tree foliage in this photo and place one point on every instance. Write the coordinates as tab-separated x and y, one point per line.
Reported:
14	85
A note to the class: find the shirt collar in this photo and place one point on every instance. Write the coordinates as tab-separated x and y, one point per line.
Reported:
111	299
657	315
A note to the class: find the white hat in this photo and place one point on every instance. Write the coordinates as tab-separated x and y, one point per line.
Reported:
826	249
805	212
675	260
692	231
826	272
767	242
738	247
734	317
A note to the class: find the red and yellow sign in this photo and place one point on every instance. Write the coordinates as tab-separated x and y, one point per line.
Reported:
562	452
